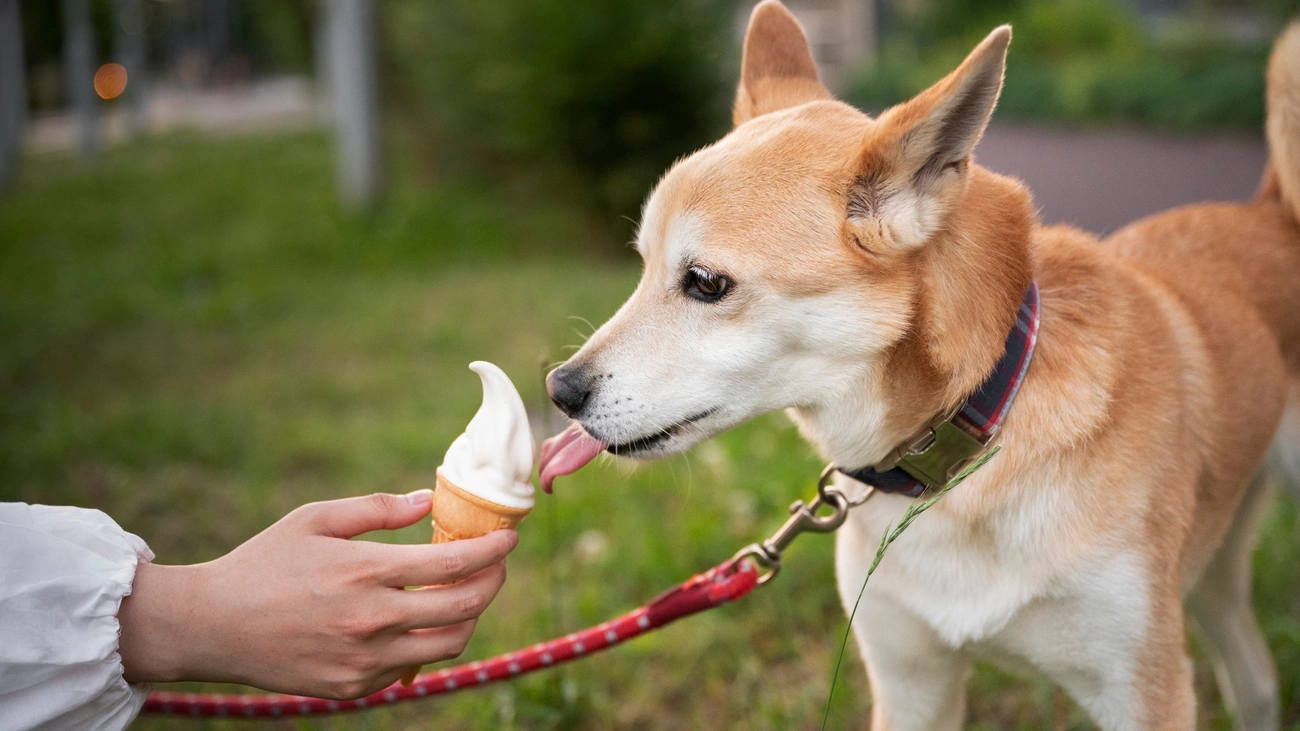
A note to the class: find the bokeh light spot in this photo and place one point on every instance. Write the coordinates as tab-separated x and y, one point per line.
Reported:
110	80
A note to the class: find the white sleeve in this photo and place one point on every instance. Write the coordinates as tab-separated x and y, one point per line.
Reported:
63	573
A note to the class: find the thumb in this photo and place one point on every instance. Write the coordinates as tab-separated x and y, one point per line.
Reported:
353	516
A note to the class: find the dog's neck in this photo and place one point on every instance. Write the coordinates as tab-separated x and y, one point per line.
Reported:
852	430
886	406
971	278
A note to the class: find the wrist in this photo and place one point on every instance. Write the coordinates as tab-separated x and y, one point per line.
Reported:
160	627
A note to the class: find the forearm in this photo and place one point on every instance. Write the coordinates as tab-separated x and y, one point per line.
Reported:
162	630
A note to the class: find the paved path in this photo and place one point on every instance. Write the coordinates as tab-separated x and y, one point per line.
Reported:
1101	180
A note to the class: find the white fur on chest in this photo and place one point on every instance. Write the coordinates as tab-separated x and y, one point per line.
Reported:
1015	587
969	582
965	585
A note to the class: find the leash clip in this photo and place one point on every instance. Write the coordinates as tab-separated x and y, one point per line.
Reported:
804	518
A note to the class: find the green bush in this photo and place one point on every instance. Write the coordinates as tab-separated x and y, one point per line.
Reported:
1079	61
1064	29
1032	92
598	94
1226	93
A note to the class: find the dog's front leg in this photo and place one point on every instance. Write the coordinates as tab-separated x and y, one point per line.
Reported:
917	682
1113	638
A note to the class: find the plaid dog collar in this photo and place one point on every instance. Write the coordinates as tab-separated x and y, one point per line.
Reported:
952	440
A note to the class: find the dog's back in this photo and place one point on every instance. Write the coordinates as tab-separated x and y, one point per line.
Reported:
1235	269
1235	264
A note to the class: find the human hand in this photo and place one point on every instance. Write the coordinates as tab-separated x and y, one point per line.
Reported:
301	609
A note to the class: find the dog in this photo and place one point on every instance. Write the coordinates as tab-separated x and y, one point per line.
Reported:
863	275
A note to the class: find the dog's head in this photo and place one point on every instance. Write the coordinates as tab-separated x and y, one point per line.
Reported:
815	259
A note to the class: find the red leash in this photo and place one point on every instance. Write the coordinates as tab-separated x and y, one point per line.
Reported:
728	581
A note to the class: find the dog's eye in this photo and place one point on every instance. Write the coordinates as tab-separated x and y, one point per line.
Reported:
704	285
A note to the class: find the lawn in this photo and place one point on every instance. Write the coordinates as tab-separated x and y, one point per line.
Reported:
195	339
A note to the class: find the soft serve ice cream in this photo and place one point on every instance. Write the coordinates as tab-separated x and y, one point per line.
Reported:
493	458
484	483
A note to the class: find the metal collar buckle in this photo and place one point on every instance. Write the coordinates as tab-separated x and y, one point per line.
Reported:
919	444
939	453
803	519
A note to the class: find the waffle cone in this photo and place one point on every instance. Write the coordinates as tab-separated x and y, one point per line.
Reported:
459	514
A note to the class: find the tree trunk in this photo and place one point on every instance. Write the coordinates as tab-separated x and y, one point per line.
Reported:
79	74
352	77
13	91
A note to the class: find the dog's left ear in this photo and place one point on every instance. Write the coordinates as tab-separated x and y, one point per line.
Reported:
777	70
918	156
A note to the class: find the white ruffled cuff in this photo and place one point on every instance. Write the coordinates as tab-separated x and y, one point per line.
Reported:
63	574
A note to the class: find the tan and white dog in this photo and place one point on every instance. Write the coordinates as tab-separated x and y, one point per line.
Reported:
862	273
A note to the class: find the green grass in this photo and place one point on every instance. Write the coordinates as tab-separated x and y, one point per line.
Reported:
195	340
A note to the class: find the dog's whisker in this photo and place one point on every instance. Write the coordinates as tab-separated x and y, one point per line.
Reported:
586	322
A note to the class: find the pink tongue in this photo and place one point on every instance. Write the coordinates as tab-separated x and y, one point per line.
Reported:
566	453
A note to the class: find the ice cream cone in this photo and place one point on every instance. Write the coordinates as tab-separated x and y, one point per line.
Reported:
460	514
490	463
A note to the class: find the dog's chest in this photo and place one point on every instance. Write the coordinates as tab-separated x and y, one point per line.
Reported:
970	584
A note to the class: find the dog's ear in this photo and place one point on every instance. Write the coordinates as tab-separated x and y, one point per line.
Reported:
777	69
915	163
942	124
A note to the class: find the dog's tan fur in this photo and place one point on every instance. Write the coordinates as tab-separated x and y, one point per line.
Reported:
876	272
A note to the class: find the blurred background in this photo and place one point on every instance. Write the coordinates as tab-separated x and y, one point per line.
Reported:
248	248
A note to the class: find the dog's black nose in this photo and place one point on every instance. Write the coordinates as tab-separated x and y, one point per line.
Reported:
569	387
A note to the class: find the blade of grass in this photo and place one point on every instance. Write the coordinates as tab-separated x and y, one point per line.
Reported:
886	539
